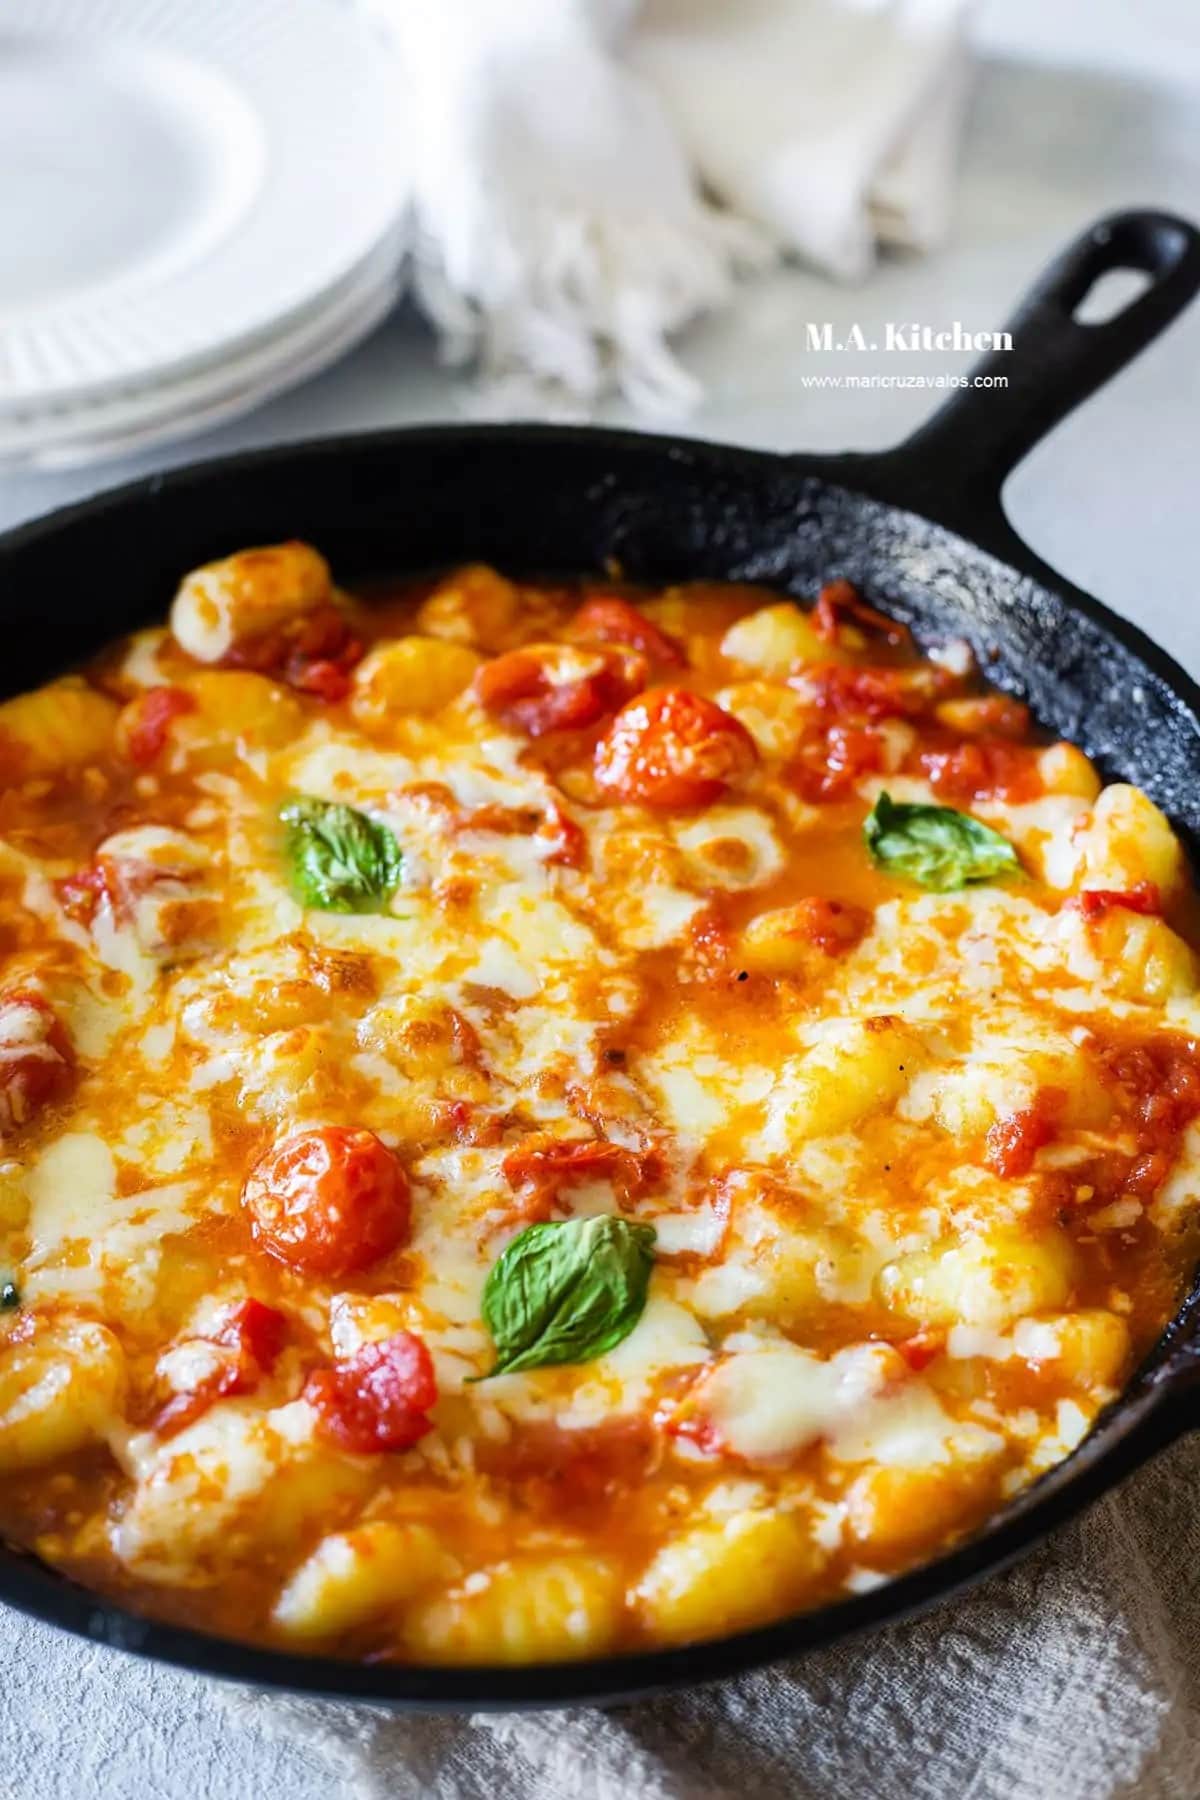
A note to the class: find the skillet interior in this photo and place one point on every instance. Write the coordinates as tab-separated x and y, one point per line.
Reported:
544	500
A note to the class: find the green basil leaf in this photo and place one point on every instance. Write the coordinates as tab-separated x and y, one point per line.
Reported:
567	1291
940	848
342	861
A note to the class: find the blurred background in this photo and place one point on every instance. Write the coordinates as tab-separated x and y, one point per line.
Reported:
232	222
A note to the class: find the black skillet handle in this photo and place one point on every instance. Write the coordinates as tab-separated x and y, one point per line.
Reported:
953	468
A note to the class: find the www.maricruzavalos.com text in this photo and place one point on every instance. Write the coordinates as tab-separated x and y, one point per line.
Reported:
904	381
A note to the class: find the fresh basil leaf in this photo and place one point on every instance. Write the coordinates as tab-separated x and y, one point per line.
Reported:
342	861
567	1291
940	848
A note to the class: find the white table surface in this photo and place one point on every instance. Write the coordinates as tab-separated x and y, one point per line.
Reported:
1082	106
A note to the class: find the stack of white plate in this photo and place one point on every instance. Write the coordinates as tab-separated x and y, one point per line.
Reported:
200	204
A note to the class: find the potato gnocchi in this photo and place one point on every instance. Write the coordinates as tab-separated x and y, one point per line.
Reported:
539	1119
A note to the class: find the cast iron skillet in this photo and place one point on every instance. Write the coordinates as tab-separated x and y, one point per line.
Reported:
919	528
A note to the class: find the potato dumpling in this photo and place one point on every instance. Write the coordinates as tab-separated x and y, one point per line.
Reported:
532	1609
56	727
236	706
409	675
58	1392
802	940
725	1575
776	717
1131	954
1066	770
999	1081
1127	840
352	1576
1090	1348
775	638
242	597
988	1280
858	1067
894	1511
474	606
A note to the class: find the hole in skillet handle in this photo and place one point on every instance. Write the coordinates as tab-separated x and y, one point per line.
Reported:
953	468
1111	295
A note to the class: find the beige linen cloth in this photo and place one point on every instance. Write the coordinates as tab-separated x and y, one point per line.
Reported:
1075	1676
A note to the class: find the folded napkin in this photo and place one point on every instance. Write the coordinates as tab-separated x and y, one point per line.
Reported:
589	175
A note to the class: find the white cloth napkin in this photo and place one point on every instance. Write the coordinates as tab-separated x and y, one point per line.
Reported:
1074	1677
565	153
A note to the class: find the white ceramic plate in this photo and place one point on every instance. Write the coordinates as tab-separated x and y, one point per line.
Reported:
100	429
179	177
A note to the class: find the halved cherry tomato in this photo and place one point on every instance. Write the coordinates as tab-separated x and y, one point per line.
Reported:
558	687
670	747
328	1201
36	1061
378	1398
253	1335
602	620
1142	897
145	723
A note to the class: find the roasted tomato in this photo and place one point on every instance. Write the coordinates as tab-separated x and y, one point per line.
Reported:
145	724
328	1201
987	770
313	653
244	1348
609	621
832	768
35	1057
873	693
541	1166
1143	897
670	747
1014	1141
378	1398
558	687
840	602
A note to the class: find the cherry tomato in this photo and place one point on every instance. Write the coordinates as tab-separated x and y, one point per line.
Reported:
313	654
35	1057
670	747
145	724
328	1201
253	1335
610	621
378	1398
557	687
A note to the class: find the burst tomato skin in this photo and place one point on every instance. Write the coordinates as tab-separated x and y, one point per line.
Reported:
328	1201
146	722
1143	897
377	1400
604	620
540	1169
555	687
673	748
254	1334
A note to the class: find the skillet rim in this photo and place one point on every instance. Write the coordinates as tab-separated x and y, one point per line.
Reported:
1150	1412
